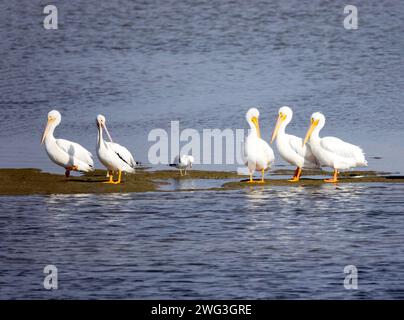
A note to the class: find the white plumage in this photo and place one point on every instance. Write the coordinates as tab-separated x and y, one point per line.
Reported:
258	155
291	147
124	154
65	153
339	154
333	152
183	162
112	155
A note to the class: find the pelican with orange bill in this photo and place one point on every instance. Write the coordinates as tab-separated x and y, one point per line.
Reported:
258	155
65	153
331	151
290	147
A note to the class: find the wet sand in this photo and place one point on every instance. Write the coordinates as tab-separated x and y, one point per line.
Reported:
34	181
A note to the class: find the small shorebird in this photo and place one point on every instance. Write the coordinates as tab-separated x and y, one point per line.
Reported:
183	162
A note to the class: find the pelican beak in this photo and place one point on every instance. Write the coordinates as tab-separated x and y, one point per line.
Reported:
46	131
313	125
106	130
281	118
257	126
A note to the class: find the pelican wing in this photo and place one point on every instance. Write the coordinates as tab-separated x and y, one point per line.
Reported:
123	153
343	149
296	145
75	150
268	151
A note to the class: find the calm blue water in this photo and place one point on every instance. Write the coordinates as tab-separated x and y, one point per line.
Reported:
145	63
274	242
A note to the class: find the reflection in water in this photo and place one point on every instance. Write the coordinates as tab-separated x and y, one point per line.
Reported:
263	242
183	184
256	195
308	197
189	184
64	202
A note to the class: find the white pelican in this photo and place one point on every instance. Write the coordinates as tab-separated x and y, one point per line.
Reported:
183	162
67	154
258	155
332	152
112	155
290	147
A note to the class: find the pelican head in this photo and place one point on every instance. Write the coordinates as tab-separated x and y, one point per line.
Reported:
317	122
101	123
284	117
252	116
100	120
54	118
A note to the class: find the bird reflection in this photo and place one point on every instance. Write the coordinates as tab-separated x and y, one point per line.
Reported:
178	184
302	199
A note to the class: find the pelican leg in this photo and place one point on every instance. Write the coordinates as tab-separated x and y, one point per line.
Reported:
262	177
334	178
251	178
181	172
119	177
297	175
111	177
68	169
